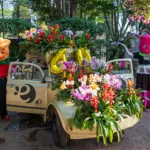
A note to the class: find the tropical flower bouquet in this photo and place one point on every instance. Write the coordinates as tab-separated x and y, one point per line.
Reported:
44	40
50	38
100	99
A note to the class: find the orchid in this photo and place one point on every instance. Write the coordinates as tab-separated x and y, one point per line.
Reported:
83	80
94	78
139	10
97	63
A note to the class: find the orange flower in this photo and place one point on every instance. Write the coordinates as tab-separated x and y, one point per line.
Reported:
55	32
88	36
108	94
105	95
94	102
106	86
130	83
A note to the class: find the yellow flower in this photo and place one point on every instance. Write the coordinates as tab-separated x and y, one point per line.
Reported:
63	86
70	76
64	74
94	86
33	30
27	31
72	44
44	27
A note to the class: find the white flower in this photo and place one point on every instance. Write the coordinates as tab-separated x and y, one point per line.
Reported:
70	82
106	78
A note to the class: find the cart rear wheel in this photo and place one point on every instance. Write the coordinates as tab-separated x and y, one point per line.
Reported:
61	138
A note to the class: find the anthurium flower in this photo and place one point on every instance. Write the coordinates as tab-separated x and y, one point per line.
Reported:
51	28
50	37
37	41
56	26
41	35
61	37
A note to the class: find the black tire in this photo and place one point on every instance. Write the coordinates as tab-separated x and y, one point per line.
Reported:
61	138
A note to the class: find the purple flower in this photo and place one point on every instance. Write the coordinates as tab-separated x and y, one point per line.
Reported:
97	63
122	64
130	20
115	82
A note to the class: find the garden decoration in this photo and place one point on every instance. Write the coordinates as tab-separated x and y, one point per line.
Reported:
143	70
4	50
100	100
4	66
144	45
52	43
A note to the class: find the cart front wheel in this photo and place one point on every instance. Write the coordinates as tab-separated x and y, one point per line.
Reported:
61	138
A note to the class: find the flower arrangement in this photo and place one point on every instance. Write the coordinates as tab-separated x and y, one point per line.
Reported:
99	97
50	38
45	39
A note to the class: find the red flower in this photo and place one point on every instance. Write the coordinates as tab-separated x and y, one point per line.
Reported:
60	37
21	46
88	36
81	75
50	37
94	102
41	35
57	26
82	70
37	41
55	32
50	27
110	67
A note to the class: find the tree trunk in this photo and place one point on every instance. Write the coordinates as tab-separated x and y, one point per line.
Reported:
67	8
18	11
2	8
58	6
73	6
64	8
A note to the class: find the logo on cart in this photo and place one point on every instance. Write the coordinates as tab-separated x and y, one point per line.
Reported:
26	92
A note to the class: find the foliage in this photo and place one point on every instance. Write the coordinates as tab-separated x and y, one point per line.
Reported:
101	101
14	26
80	24
53	10
15	52
21	9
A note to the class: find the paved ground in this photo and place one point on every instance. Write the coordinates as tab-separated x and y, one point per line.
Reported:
32	137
